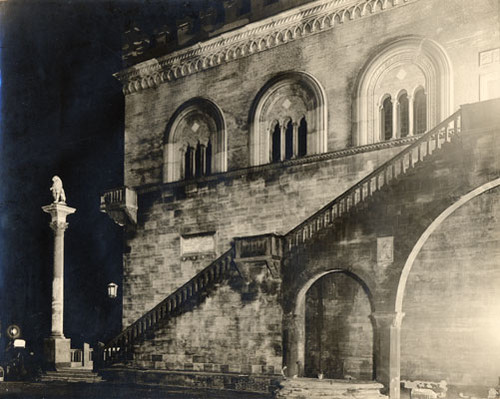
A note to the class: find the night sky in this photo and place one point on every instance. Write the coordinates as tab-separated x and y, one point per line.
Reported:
61	114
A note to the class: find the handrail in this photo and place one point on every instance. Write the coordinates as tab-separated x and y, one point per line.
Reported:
215	272
381	176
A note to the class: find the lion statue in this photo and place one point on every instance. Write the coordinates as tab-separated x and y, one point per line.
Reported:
58	190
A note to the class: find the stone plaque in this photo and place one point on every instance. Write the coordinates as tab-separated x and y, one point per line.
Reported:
489	57
385	250
198	244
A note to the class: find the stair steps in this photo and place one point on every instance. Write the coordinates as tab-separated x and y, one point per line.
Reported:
72	375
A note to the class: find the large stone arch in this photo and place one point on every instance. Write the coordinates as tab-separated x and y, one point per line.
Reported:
207	124
427	233
451	315
404	58
288	95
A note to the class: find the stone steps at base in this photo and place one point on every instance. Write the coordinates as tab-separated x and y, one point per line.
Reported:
72	375
305	388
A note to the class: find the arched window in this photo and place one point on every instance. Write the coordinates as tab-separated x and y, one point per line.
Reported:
302	137
420	112
406	63
386	119
288	96
404	126
195	141
289	140
276	143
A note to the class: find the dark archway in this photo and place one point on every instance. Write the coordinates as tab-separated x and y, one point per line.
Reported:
339	333
296	330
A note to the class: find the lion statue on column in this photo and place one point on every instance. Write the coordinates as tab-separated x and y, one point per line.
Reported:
58	190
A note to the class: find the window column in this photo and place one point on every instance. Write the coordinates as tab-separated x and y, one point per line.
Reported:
395	113
295	140
410	115
283	142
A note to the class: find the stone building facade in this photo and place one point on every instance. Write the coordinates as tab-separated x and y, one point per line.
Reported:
308	193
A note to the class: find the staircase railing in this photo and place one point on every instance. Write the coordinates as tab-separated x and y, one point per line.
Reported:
119	347
380	177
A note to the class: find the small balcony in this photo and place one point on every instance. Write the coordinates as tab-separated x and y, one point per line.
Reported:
121	205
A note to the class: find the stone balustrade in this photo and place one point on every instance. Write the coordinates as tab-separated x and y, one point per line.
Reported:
375	181
120	204
119	348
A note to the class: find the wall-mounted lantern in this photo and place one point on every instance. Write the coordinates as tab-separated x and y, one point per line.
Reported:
112	290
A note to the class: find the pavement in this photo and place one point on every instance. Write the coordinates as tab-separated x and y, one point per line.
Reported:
107	390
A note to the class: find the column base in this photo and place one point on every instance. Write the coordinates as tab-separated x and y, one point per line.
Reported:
57	352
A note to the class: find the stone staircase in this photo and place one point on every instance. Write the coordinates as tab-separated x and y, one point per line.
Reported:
120	349
364	191
71	374
311	388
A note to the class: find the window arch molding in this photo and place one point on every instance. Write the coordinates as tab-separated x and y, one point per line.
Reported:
432	62
175	141
312	98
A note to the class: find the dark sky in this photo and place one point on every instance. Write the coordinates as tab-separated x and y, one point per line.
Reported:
61	113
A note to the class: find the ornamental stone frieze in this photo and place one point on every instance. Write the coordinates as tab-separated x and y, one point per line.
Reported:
253	38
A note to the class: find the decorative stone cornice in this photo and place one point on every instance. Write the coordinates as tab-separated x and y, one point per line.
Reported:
149	188
253	38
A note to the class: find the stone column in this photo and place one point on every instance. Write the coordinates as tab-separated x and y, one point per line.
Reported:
295	140
395	118
388	350
283	142
57	347
410	115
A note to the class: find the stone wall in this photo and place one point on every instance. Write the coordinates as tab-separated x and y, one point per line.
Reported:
232	331
450	328
334	57
256	201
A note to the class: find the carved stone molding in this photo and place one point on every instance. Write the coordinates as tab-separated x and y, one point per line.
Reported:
291	162
388	319
288	26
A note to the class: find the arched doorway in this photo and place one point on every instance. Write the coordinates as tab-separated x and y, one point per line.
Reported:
331	331
339	332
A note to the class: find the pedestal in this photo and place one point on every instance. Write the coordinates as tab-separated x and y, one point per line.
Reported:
57	352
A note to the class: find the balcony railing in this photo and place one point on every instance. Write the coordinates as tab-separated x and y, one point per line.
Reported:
120	204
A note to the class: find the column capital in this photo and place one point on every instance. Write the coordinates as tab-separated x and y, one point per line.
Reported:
58	226
388	319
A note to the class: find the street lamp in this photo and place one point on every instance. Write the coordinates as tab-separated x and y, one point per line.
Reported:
112	290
